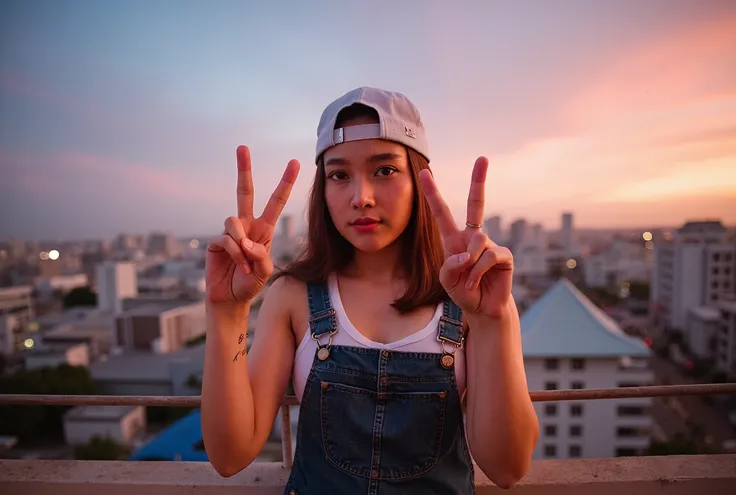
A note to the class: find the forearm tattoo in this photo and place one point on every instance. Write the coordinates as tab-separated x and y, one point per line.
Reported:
241	352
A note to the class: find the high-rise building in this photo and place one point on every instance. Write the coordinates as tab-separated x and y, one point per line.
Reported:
693	270
569	343
287	226
492	228
517	234
726	336
537	237
115	281
164	244
567	234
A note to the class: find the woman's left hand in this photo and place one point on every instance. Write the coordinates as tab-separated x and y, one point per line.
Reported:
477	273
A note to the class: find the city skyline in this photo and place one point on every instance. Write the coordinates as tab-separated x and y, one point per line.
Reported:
125	118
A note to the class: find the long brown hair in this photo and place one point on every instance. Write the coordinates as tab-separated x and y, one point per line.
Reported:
421	250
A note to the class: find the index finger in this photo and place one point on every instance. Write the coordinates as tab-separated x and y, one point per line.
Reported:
439	208
280	195
476	197
244	188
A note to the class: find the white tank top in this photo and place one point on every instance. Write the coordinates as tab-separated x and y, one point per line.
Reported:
423	340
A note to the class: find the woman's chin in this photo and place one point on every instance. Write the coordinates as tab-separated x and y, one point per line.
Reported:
370	244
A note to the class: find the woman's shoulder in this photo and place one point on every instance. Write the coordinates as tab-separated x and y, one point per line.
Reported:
286	289
288	296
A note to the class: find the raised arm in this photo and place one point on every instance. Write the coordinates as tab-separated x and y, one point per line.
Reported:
477	274
241	393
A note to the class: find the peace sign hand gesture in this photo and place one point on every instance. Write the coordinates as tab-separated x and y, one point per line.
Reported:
238	261
477	273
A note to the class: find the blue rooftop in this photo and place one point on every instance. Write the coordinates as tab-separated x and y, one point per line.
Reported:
565	323
182	441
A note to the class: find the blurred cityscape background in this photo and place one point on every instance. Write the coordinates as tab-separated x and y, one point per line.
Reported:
611	130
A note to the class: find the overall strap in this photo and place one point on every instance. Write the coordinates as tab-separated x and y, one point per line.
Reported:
322	317
451	324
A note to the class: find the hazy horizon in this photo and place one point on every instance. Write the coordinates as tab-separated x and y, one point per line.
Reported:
124	117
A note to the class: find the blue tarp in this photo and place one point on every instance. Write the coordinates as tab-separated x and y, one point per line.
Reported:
182	441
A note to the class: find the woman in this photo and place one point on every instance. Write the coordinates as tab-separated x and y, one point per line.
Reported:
391	317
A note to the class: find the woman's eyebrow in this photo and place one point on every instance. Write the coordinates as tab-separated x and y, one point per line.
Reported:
381	157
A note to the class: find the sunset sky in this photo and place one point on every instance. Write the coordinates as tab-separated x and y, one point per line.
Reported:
125	116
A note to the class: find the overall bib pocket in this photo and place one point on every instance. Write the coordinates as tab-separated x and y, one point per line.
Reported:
388	435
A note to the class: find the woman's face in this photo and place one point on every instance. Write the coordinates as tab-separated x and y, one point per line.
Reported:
369	191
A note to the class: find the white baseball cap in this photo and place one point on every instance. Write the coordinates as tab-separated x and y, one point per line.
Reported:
398	118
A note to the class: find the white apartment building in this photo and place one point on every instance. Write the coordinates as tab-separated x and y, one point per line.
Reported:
116	280
702	330
16	312
121	423
53	355
163	244
726	337
693	270
531	262
161	326
493	229
569	343
624	261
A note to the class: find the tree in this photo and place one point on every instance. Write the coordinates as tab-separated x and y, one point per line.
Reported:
36	423
80	296
680	445
101	449
639	291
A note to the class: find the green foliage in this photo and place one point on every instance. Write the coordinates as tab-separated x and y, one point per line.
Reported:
601	296
195	341
36	423
101	449
80	296
679	445
166	414
639	291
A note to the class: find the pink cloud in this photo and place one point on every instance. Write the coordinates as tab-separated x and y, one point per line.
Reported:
680	67
47	173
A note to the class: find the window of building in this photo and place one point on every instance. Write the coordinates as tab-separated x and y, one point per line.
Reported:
551	364
575	451
628	384
550	386
550	409
631	431
632	410
550	431
577	385
576	430
576	410
578	364
550	451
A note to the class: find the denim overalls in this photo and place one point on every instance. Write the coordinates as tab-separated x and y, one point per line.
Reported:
380	422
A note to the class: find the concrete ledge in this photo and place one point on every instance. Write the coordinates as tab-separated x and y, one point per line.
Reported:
671	475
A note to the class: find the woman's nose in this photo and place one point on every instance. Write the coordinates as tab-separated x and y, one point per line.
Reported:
363	194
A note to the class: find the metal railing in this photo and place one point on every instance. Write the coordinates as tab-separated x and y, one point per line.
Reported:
290	400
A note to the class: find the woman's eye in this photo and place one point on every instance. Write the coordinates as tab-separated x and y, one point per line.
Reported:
338	175
385	171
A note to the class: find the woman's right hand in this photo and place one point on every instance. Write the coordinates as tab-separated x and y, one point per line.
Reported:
238	262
